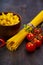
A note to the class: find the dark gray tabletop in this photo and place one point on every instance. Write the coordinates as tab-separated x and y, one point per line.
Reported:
27	9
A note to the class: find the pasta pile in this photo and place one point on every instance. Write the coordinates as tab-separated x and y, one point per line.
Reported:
9	19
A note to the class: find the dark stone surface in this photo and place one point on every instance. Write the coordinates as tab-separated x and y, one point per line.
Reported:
27	9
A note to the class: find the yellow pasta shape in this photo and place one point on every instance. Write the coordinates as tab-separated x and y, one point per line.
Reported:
8	19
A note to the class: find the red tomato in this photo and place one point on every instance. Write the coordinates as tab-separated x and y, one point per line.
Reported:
2	42
37	42
40	37
30	36
37	31
30	47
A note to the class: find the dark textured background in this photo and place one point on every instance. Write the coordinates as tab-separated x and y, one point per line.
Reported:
27	9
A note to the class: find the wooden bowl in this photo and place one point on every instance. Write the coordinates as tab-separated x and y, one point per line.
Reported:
7	31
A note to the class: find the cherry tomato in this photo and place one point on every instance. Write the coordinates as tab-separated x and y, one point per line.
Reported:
37	42
2	42
30	36
40	37
37	31
30	47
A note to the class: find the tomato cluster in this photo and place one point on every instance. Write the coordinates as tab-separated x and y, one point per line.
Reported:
35	39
